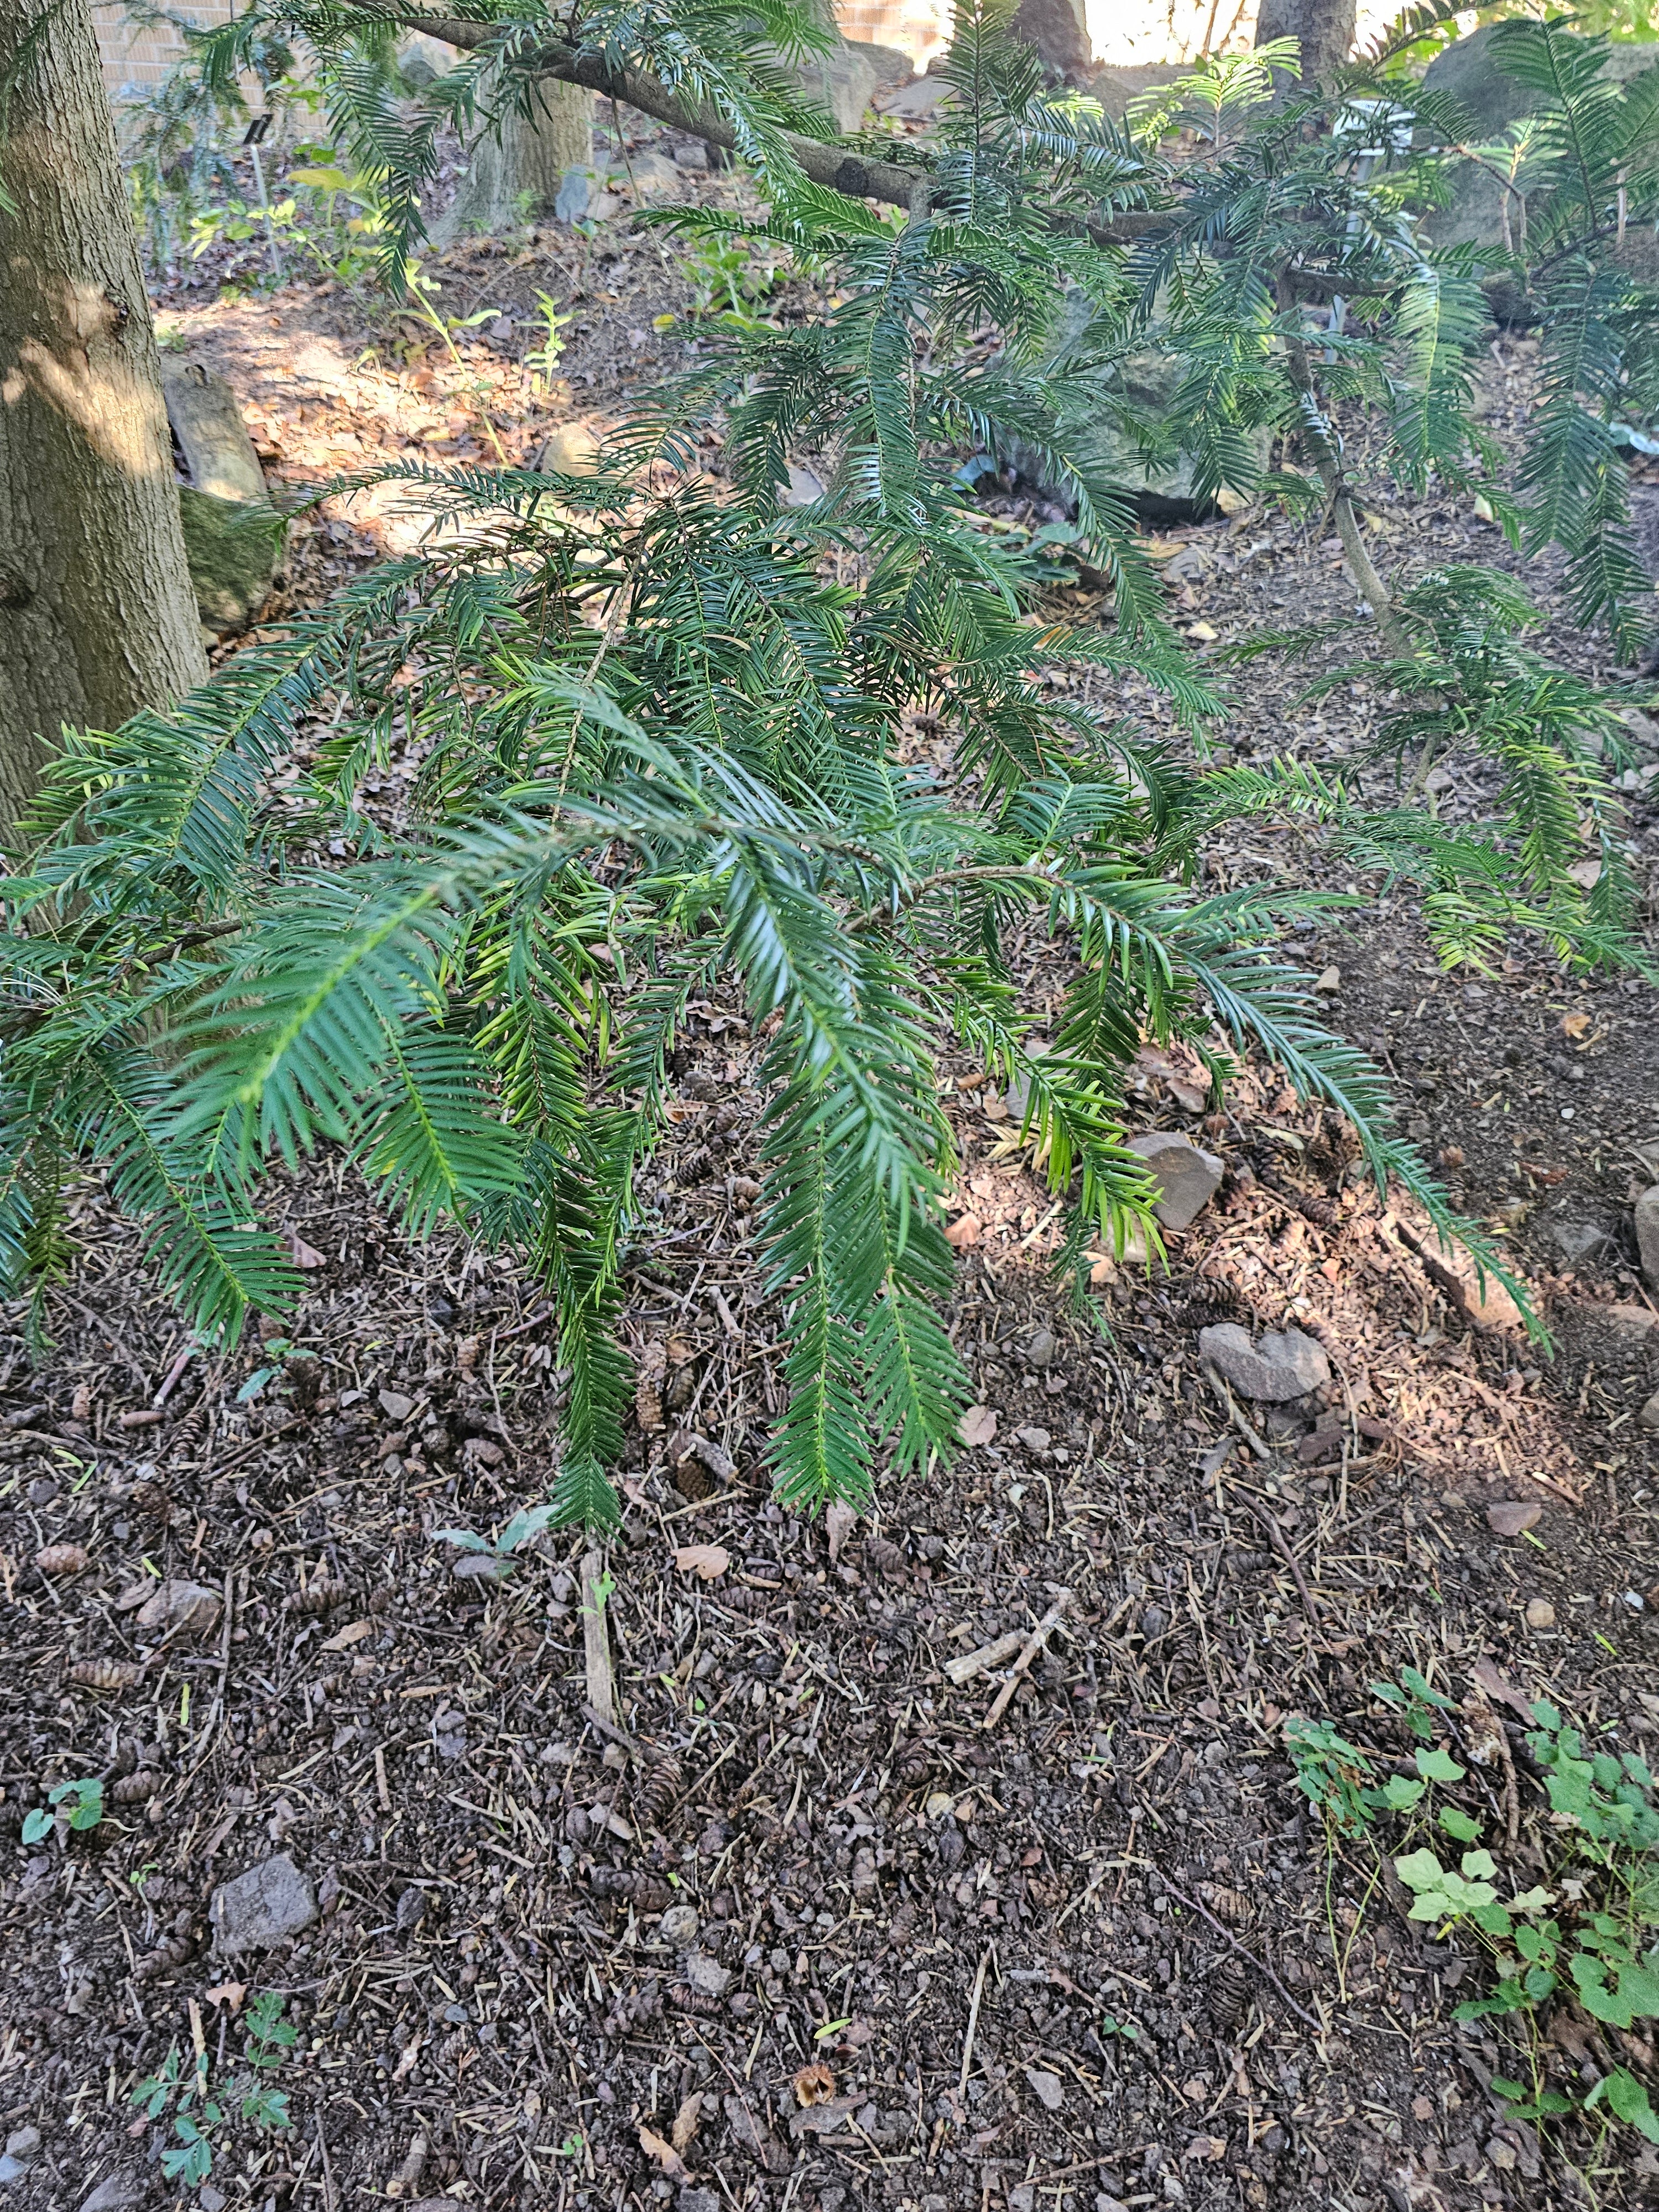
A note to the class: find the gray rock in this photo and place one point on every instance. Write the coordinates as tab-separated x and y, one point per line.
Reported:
116	2192
1649	1416
396	1404
1647	1234
1282	1367
265	1905
706	1974
1042	1349
1048	2087
1187	1177
19	2154
1467	70
232	551
480	1567
697	2200
679	1924
205	417
186	1608
578	191
1579	1242
847	80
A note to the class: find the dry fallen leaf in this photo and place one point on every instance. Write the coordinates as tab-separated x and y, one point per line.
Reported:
303	1255
230	1993
1513	1517
978	1425
707	1561
686	2119
353	1632
815	2084
668	2160
1576	1026
965	1232
840	1522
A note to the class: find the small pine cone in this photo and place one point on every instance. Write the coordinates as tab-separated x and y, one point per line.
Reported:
171	1952
135	1788
149	1497
633	2012
61	1559
886	1559
655	1795
684	1998
1230	1992
106	1674
914	1764
319	1597
1226	1904
645	1890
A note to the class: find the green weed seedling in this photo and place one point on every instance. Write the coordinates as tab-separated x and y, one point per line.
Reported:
76	1804
199	2109
1603	1947
520	1531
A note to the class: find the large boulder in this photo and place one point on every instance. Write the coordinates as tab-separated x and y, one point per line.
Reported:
1467	72
233	535
847	80
233	552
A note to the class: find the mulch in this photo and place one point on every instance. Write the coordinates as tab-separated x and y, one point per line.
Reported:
826	1932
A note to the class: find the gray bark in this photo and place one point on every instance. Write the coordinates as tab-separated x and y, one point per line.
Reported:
1323	28
97	615
529	157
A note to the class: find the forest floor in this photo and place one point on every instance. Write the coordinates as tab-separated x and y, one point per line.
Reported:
842	1931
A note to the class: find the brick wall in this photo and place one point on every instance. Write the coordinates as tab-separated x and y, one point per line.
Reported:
136	59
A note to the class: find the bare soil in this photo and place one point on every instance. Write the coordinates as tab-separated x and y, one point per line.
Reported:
1094	1948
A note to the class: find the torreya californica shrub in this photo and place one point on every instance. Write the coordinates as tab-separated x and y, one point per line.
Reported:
657	717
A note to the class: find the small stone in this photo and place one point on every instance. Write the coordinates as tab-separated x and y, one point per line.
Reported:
265	1905
116	2192
185	1608
572	450
1541	1613
1040	1352
1330	982
707	1974
1513	1517
1283	1367
1187	1177
1048	2087
1036	1440
211	2199
1021	2197
1647	1234
680	1924
396	1405
1628	1327
1649	1416
1580	1241
22	2143
697	2200
479	1567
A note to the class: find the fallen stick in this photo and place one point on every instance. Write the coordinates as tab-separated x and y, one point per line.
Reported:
1034	1644
987	1656
630	1744
1249	1957
596	1644
972	2022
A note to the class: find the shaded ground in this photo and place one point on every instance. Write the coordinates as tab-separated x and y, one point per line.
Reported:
1095	1950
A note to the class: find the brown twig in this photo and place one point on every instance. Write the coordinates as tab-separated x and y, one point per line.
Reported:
1249	1957
1034	1644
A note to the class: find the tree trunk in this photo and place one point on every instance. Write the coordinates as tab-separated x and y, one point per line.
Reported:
97	615
1323	28
529	159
